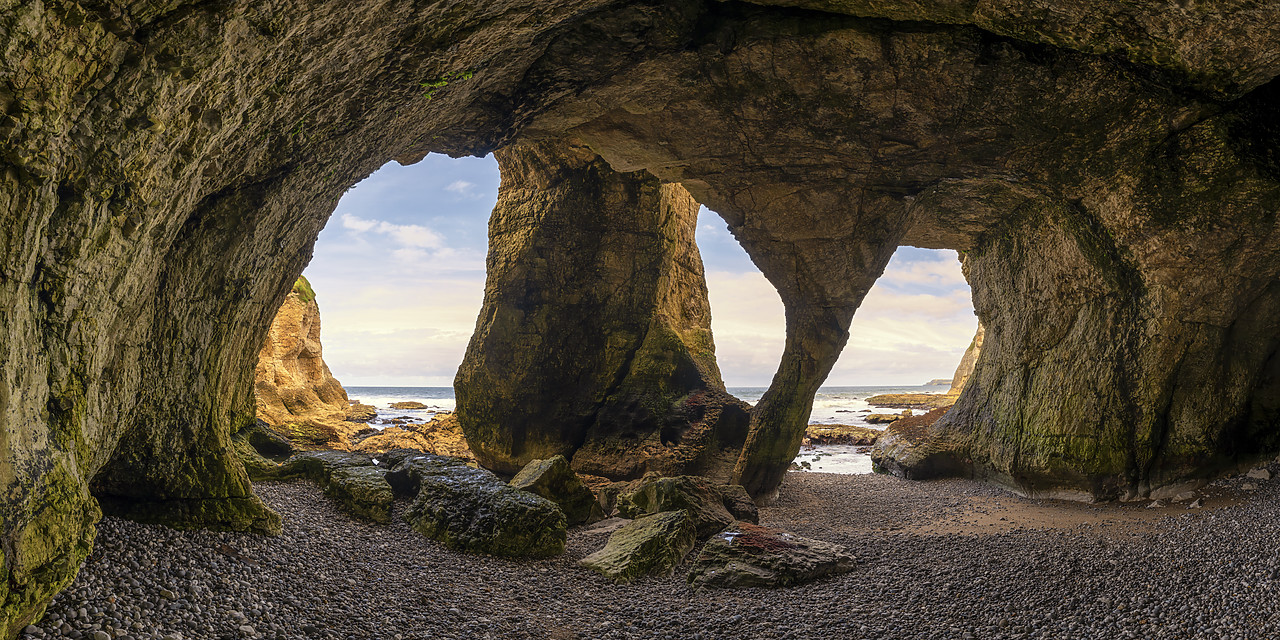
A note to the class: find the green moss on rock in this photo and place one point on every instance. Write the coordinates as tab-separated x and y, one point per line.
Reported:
651	545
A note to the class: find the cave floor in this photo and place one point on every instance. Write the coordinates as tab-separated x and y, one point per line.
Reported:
941	559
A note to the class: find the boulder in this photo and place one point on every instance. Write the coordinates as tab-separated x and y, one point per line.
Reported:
408	405
472	510
748	555
318	466
652	545
882	418
267	441
358	412
843	433
409	467
361	491
554	480
1259	473
703	500
738	502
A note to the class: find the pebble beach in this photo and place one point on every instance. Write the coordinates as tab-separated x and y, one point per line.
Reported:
950	559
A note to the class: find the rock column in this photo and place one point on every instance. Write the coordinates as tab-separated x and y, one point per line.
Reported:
594	341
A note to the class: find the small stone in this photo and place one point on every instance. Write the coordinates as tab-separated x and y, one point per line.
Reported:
101	635
168	595
1184	496
1156	504
248	630
1249	486
1259	473
1194	504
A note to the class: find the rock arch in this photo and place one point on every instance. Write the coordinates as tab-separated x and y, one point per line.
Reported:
166	166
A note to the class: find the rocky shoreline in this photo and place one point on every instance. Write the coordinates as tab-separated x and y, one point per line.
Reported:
942	559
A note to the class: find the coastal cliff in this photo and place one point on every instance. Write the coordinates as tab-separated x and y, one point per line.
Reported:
293	388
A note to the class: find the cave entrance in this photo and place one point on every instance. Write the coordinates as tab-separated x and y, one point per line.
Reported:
398	273
909	337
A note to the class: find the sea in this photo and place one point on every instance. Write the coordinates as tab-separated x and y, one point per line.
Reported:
831	405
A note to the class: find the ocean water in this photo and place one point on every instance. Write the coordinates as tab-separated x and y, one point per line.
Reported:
831	405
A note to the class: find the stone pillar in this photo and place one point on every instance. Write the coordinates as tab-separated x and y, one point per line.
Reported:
823	249
594	341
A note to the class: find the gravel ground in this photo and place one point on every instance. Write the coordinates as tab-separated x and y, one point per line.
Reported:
946	559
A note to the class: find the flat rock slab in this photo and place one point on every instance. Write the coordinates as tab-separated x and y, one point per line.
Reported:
708	504
472	510
652	545
362	491
554	480
748	555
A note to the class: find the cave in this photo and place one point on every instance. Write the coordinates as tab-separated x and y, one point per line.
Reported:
1109	171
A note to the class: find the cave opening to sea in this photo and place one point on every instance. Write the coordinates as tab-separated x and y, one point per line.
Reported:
399	273
908	337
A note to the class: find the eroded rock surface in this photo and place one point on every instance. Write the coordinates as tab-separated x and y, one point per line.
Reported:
748	555
652	545
293	388
594	341
1110	168
554	480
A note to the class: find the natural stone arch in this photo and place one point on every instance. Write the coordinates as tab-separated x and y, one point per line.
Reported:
166	167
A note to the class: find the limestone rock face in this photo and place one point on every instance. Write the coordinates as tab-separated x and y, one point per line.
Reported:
293	388
1111	168
967	363
651	545
594	341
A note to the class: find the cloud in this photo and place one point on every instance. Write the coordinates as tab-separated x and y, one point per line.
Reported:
461	187
913	325
407	235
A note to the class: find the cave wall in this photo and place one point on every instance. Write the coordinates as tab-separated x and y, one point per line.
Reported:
594	341
166	166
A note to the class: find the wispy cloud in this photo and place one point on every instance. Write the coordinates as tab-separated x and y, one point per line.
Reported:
406	235
462	188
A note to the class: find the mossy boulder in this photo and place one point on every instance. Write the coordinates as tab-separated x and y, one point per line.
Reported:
652	545
267	441
554	480
704	501
362	491
410	467
748	555
473	510
319	466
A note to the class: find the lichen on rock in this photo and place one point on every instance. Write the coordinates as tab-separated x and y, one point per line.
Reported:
651	545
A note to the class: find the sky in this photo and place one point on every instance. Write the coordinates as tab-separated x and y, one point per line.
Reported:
399	277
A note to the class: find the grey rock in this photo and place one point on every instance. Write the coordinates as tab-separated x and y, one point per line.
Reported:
651	545
748	555
554	480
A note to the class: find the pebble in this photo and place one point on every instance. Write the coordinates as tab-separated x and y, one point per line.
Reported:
330	577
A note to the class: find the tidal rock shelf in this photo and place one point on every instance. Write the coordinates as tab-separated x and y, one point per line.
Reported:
942	559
